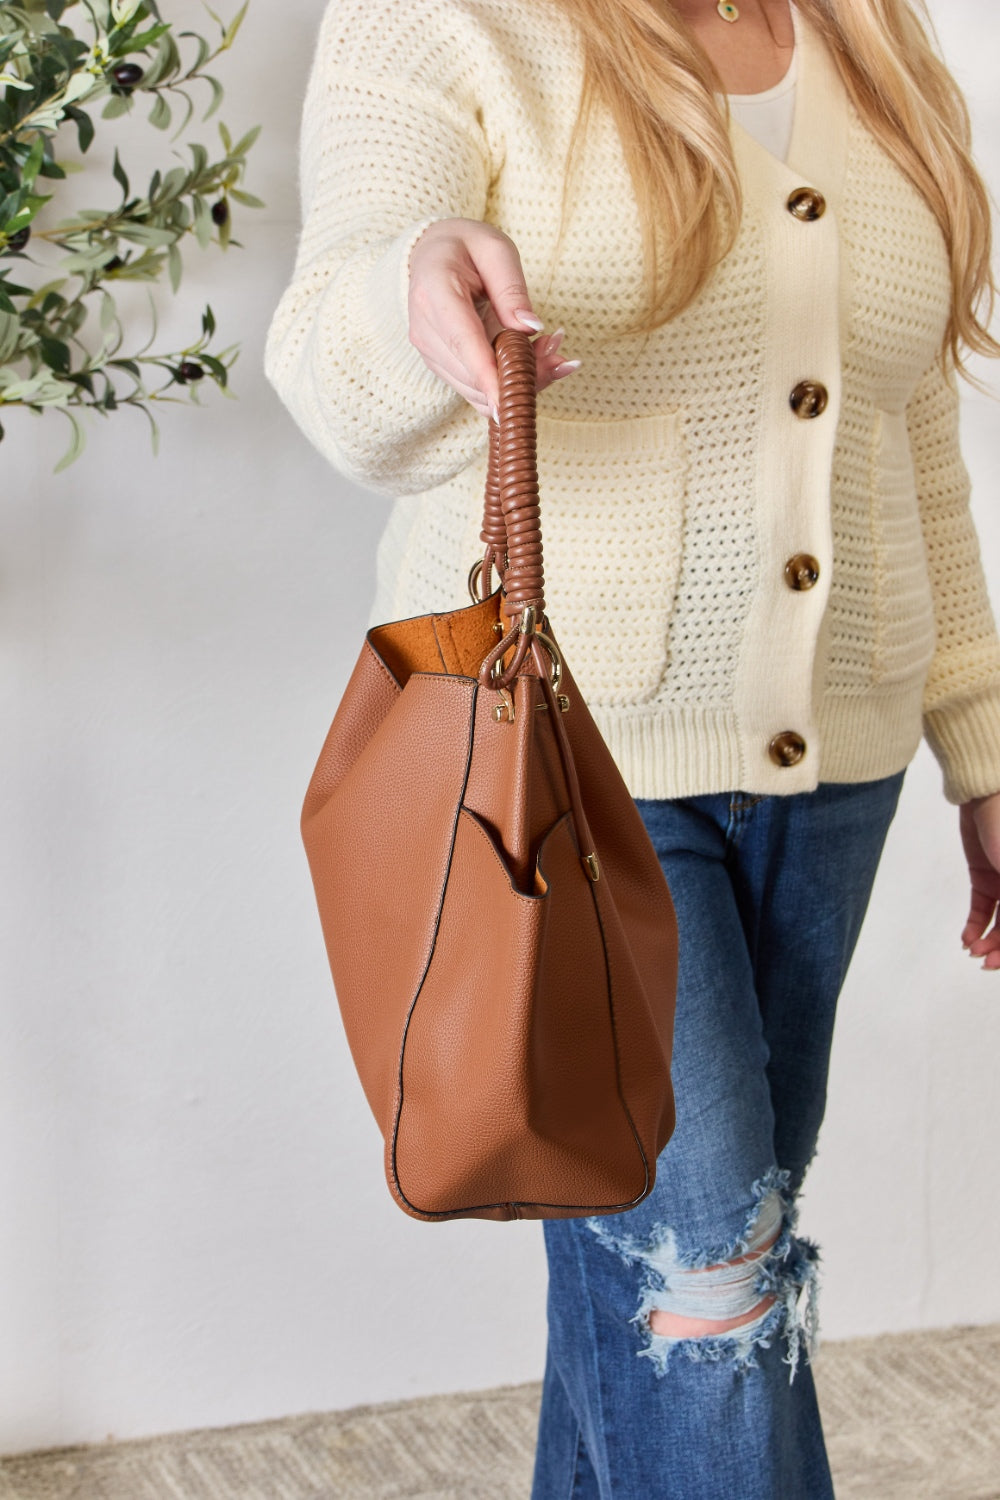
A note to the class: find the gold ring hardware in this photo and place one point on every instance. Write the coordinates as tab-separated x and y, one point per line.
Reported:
561	699
476	577
504	711
498	668
557	662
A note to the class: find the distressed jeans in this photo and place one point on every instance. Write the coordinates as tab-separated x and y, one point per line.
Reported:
770	895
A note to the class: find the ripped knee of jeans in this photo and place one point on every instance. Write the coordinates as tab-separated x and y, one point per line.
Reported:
768	1268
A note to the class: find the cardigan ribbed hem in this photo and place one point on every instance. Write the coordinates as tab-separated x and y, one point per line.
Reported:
672	752
687	752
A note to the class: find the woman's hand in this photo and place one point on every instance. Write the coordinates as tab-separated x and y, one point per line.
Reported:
980	824
466	283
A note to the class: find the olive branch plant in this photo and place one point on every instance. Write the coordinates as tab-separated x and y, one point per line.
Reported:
59	59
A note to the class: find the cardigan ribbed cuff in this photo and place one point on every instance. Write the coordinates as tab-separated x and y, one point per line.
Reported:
965	738
361	342
385	319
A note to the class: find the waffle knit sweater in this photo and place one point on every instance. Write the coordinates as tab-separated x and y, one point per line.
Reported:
676	479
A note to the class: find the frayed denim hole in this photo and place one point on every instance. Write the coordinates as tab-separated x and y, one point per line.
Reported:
661	1238
787	1270
739	1346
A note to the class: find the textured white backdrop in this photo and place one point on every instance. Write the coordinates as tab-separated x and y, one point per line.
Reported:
194	1229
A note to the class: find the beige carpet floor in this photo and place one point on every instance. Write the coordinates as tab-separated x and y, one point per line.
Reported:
907	1417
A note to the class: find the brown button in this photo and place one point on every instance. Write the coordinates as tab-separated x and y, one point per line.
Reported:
787	748
809	399
801	571
806	203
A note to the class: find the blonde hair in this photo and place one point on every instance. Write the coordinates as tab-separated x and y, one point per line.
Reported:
645	65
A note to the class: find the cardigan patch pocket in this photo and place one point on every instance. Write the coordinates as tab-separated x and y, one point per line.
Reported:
613	501
904	606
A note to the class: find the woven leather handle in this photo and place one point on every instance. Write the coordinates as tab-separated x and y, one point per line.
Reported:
511	518
513	537
513	475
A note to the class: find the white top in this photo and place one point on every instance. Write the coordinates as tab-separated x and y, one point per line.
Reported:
767	116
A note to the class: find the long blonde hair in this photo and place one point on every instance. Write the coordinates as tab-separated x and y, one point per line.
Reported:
645	65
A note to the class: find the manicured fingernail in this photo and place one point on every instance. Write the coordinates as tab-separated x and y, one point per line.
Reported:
567	367
494	413
554	341
529	320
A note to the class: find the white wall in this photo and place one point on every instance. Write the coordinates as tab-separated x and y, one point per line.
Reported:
194	1228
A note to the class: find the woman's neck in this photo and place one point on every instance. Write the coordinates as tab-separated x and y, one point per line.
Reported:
751	54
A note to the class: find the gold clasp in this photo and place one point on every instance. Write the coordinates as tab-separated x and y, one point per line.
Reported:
504	711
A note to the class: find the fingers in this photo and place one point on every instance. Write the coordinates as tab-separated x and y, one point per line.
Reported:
502	276
464	274
466	284
475	398
979	822
981	933
988	949
449	334
469	369
550	360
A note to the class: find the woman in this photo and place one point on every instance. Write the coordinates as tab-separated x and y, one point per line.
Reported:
759	562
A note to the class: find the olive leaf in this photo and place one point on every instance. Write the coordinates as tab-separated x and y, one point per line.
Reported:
64	64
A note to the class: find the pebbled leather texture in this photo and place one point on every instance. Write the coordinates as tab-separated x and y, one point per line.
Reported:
511	1019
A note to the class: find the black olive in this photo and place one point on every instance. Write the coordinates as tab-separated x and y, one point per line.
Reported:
127	75
220	212
19	238
189	371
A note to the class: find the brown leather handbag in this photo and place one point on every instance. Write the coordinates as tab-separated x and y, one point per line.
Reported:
501	937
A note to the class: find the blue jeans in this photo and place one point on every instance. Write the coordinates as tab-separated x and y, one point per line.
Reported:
770	895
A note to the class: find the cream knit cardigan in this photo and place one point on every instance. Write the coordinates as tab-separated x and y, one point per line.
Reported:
676	478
